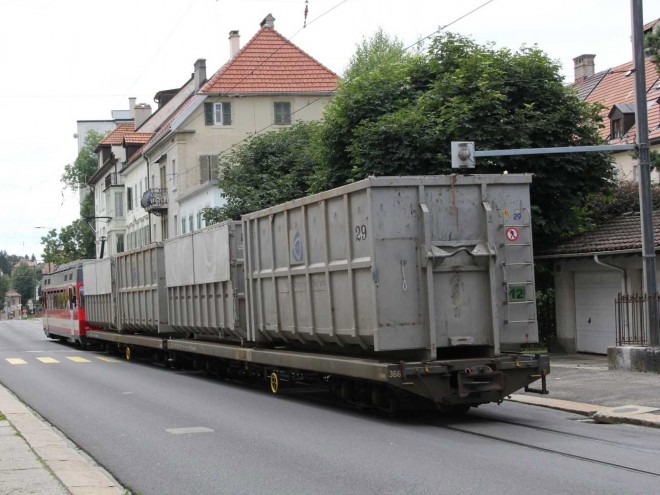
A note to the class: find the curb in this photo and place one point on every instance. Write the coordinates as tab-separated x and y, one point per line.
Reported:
629	414
76	471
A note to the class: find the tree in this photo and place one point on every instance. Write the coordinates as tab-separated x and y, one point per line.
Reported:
652	45
24	281
86	162
76	240
268	169
401	117
5	283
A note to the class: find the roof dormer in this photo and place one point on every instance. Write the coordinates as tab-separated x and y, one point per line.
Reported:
622	118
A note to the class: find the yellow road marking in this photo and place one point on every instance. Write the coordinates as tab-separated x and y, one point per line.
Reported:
107	359
76	359
47	360
16	361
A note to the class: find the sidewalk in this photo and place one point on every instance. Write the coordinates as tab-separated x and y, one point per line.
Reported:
582	384
36	459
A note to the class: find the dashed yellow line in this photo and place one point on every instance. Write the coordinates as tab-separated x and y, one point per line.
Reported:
107	359
47	360
77	359
16	361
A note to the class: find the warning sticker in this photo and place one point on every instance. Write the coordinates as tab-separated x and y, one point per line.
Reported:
512	234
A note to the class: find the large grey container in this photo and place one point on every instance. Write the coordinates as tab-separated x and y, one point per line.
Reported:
205	281
396	263
99	303
141	290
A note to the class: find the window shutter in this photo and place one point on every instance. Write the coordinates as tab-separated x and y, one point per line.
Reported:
226	113
203	168
208	113
213	164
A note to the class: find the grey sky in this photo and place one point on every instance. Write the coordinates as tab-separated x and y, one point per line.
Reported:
79	59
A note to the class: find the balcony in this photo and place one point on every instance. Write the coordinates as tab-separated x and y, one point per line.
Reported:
155	201
113	180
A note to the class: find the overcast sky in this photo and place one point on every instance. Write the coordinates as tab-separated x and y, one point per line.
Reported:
79	59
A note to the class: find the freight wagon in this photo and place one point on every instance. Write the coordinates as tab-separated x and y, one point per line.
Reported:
391	290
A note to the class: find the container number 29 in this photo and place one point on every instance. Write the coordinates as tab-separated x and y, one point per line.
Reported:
361	233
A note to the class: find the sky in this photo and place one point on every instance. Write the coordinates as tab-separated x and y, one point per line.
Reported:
76	60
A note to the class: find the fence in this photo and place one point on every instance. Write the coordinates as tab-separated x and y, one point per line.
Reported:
632	325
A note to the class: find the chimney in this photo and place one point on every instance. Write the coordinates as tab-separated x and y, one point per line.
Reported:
584	67
131	105
199	76
234	43
142	113
269	21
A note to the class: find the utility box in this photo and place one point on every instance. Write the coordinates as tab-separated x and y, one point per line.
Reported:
205	281
396	263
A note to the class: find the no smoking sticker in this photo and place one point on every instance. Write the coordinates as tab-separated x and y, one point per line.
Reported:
512	234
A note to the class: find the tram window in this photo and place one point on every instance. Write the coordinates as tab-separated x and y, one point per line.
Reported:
81	291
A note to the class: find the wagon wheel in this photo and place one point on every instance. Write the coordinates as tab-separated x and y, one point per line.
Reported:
274	382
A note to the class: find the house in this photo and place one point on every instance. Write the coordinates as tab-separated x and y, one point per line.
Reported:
12	307
590	270
268	84
157	174
615	89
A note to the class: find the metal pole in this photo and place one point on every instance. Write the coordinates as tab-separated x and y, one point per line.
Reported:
646	208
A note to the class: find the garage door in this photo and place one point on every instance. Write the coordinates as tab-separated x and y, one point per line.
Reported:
595	323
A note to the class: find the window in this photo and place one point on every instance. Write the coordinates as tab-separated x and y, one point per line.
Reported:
183	225
282	113
120	243
199	219
208	168
190	223
617	128
176	226
217	113
174	174
119	204
129	198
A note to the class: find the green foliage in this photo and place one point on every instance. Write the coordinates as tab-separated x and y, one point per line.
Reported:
401	117
73	242
24	281
652	46
618	198
269	169
5	283
86	162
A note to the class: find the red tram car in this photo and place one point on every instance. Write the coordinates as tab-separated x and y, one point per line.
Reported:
63	299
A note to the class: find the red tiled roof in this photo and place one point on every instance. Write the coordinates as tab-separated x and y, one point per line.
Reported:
615	87
138	137
116	137
621	234
269	63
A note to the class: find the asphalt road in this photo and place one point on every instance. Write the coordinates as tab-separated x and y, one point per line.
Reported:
164	432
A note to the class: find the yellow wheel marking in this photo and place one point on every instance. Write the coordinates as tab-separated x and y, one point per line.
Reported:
47	360
77	359
274	382
16	361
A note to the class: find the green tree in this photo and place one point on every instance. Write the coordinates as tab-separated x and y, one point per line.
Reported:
85	164
268	169
652	46
401	117
24	281
76	240
5	283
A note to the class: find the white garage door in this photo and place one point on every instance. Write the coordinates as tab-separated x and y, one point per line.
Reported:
595	323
